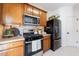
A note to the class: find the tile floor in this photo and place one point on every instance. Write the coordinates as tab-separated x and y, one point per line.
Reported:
63	51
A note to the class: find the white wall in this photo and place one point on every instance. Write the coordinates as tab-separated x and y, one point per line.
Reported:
68	16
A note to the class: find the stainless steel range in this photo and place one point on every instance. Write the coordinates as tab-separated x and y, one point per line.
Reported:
33	43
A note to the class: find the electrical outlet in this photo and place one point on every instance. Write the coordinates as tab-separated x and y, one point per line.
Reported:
76	41
77	19
77	30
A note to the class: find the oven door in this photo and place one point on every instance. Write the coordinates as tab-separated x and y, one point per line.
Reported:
36	46
33	47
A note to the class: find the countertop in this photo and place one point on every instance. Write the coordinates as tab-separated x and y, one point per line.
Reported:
46	35
13	39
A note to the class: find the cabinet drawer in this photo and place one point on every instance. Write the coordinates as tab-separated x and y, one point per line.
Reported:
11	45
15	44
3	53
3	47
18	51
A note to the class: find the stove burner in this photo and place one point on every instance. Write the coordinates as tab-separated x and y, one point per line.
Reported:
30	37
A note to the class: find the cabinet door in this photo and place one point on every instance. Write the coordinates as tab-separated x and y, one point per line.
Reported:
43	16
3	53
28	9
15	44
13	13
18	51
1	21
46	44
36	12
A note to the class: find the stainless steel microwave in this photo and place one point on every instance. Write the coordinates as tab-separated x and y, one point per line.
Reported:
31	20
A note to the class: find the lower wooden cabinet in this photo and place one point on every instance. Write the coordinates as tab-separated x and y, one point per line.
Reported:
13	49
46	43
18	51
3	53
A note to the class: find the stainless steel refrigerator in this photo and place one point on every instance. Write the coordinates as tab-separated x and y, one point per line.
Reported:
53	27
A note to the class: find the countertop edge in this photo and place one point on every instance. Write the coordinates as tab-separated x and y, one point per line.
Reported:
14	39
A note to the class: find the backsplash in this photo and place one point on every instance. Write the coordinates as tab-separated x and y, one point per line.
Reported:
26	28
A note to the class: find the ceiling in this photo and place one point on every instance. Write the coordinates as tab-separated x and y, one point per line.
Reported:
52	6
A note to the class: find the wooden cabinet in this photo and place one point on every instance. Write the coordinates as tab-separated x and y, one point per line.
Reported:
3	53
13	12
43	18
28	9
15	44
1	21
46	43
18	51
36	12
13	49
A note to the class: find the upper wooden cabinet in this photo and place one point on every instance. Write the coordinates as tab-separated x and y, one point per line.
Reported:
36	12
43	18
28	9
32	10
14	12
1	21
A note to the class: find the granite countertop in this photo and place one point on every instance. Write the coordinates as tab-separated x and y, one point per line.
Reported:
46	34
13	39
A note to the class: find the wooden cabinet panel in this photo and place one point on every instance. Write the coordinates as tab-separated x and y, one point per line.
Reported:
43	18
12	49
19	14
46	43
1	20
28	9
18	51
13	12
16	48
4	53
15	44
36	12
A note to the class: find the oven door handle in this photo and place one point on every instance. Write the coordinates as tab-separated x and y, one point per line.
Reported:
28	42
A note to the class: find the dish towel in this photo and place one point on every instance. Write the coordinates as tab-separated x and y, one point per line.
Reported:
39	44
36	45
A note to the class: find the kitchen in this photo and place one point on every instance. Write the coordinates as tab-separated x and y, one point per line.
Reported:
35	29
22	30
